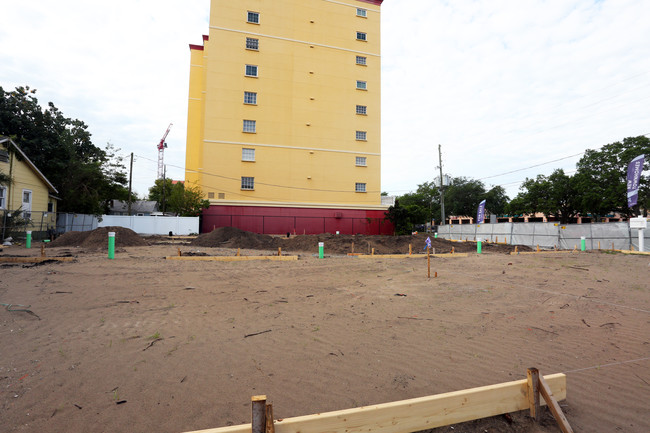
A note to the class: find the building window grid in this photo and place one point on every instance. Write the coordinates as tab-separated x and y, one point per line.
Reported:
360	161
251	71
252	44
253	17
362	110
3	197
362	60
359	187
361	12
248	154
250	98
361	36
250	126
362	85
362	136
247	183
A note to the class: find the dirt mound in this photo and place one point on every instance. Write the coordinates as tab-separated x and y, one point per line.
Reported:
98	238
230	237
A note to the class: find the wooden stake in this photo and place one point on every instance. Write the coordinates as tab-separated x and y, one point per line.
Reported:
428	263
612	246
352	248
546	392
453	249
435	275
533	393
258	403
270	427
496	240
599	245
179	252
516	249
505	241
279	251
238	252
538	248
373	252
434	251
42	250
411	249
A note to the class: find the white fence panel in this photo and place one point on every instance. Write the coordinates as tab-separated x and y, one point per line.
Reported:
153	225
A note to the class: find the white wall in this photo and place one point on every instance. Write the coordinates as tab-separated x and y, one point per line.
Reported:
153	225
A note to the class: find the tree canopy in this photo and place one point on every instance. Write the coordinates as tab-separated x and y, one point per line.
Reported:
178	198
86	176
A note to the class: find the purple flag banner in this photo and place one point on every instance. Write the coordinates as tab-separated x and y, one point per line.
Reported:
633	177
480	215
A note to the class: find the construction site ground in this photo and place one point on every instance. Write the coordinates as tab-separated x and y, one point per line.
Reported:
143	344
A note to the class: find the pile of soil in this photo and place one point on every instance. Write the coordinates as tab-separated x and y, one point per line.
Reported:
230	237
98	239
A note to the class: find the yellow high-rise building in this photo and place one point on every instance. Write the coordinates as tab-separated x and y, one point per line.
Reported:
283	129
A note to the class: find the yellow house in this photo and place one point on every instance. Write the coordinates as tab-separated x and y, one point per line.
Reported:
284	116
29	191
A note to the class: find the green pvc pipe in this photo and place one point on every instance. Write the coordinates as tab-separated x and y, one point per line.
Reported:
435	235
479	247
583	244
321	250
28	242
111	245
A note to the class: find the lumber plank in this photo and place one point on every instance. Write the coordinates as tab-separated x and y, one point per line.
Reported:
517	253
407	256
636	253
35	259
547	393
231	258
416	414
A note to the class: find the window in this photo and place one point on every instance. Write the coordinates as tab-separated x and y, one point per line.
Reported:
361	135
247	183
251	71
359	187
252	44
4	156
363	13
210	195
221	196
250	98
253	17
361	36
362	109
361	161
3	197
50	206
248	154
250	126
362	60
362	85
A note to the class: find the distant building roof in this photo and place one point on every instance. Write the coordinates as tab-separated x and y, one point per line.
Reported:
138	206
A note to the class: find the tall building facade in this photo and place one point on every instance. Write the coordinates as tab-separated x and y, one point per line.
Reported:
284	116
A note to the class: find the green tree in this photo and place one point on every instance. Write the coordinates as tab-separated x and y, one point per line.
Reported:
400	218
463	196
86	176
179	199
555	195
602	175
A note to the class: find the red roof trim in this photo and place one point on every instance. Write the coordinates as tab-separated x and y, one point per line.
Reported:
196	47
206	37
374	2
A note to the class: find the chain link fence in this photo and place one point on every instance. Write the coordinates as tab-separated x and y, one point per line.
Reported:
15	224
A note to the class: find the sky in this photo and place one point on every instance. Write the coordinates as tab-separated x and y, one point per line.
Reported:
508	89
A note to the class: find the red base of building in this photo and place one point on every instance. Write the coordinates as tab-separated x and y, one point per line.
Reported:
283	220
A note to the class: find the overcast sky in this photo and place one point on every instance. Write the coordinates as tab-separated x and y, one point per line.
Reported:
501	84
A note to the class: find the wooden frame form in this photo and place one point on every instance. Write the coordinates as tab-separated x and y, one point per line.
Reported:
231	258
416	414
407	256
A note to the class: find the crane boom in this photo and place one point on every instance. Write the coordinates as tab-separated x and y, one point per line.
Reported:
161	153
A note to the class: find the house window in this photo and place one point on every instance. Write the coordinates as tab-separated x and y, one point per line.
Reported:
50	206
363	13
250	98
359	187
253	17
251	70
3	197
248	154
252	44
361	135
247	183
362	109
27	203
361	161
361	36
362	85
250	126
362	60
4	156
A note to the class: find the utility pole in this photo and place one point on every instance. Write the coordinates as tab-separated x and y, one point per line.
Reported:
442	192
130	184
164	179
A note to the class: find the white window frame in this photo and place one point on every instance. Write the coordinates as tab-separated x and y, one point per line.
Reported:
362	60
362	110
252	44
363	13
249	126
3	197
360	187
247	183
362	85
247	154
250	98
362	36
361	136
253	72
360	161
252	14
27	213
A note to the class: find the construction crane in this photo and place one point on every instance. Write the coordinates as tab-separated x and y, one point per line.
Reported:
161	153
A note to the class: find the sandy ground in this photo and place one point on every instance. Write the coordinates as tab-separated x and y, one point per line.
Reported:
167	339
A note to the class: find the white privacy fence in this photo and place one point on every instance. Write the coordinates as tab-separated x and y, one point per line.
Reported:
549	235
153	225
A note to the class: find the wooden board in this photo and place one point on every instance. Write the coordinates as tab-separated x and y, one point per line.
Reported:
407	256
231	258
35	259
640	253
416	414
512	253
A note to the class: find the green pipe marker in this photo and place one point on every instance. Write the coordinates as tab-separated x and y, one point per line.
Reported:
479	247
583	244
321	250
28	242
435	235
111	245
